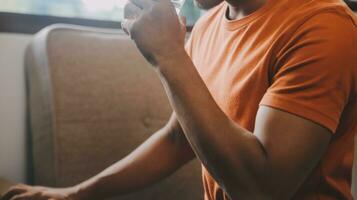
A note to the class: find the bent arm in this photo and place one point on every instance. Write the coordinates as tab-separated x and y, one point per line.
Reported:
270	163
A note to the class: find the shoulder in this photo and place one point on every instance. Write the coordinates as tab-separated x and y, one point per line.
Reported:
333	28
332	19
293	17
323	47
330	15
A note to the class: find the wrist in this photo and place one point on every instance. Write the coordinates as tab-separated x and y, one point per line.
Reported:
80	192
170	55
173	60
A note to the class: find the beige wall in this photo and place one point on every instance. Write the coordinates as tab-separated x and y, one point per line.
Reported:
12	106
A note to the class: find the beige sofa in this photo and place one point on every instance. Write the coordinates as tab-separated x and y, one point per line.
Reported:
4	186
93	98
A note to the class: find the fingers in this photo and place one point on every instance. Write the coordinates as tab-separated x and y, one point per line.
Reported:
16	190
131	13
21	197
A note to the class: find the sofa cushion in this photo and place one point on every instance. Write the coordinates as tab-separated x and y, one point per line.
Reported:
4	186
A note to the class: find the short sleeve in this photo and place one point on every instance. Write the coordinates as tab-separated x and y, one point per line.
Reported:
314	71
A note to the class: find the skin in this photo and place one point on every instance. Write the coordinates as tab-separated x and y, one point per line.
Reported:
241	8
270	163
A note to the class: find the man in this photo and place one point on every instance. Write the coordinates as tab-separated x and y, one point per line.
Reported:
264	96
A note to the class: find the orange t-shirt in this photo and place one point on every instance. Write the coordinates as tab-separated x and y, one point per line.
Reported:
299	56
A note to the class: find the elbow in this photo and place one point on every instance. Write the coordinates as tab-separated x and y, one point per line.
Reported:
257	185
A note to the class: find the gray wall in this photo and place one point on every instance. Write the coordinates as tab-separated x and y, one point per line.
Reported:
12	106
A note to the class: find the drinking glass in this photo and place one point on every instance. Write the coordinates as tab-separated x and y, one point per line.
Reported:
178	5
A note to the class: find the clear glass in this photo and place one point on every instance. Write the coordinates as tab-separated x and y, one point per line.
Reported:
178	4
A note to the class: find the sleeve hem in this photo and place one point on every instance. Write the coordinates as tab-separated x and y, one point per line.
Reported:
300	110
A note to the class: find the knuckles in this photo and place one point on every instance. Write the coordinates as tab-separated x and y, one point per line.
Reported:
130	11
21	192
127	11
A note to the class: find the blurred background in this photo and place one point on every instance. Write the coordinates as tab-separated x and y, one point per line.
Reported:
111	10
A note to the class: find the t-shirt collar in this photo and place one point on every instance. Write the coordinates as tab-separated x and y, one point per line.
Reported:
239	23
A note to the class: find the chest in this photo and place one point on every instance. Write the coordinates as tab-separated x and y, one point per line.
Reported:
236	70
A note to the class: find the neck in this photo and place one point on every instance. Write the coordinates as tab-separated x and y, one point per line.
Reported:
238	9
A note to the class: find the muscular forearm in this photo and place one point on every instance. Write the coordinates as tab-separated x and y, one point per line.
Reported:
232	155
155	159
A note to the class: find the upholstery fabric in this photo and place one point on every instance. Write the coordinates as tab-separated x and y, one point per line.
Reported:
92	99
4	186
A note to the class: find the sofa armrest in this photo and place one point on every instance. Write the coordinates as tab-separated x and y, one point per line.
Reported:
4	186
